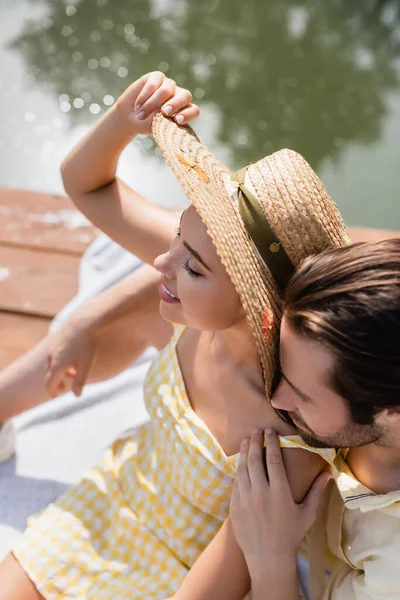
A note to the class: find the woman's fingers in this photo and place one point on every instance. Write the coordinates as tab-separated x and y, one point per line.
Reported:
242	478
181	100
255	460
152	84
53	378
154	92
156	100
82	373
174	102
276	469
188	114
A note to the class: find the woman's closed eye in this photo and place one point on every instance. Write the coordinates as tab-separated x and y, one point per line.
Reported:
304	399
185	264
190	271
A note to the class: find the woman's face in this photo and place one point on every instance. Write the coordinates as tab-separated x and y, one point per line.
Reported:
321	416
195	289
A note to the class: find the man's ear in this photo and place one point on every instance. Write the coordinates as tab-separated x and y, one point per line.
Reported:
389	416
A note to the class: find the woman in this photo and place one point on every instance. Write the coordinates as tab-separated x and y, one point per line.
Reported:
137	521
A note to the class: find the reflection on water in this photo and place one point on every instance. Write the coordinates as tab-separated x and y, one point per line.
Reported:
310	75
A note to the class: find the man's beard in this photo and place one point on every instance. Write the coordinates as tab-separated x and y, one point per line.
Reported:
351	435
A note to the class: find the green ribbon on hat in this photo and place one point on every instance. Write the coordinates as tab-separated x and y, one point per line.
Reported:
263	236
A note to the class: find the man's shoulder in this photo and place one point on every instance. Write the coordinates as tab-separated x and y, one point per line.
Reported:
356	495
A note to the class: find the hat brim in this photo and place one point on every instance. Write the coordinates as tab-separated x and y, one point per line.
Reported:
207	183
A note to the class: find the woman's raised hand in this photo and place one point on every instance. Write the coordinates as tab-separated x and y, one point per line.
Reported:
72	351
151	94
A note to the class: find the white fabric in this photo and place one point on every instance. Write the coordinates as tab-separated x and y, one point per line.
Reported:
7	441
58	440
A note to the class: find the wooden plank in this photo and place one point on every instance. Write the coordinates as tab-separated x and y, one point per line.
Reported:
19	333
32	219
36	282
41	282
365	234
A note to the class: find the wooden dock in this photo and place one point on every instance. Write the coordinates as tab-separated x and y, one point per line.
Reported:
42	238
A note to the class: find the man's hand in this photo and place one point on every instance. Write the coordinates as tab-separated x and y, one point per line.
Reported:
151	94
268	524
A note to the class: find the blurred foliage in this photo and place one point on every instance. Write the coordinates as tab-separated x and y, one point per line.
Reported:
311	75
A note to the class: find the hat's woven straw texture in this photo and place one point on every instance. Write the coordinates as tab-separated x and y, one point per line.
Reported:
294	200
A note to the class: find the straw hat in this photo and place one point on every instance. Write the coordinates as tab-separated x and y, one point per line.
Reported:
264	221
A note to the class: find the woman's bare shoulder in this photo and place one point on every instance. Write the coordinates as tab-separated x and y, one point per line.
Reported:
302	466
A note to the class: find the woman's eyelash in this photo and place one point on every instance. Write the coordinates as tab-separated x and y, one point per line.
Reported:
185	263
190	271
304	399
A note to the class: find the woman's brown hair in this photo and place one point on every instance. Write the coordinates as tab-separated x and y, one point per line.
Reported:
349	301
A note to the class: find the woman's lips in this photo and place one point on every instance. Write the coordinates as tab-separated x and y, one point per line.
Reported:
166	295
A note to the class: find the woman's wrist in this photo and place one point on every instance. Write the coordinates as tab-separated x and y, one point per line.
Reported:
85	322
121	123
116	128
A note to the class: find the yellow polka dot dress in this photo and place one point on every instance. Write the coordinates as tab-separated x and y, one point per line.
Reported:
138	520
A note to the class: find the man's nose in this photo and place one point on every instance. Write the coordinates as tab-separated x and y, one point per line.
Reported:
284	398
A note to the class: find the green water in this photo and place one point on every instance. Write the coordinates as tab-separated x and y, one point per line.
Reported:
319	76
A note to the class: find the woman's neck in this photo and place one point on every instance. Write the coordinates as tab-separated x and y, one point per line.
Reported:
236	345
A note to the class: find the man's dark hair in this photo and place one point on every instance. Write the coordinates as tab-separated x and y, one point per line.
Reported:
349	300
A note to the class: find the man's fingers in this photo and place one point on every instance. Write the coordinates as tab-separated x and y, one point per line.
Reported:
154	82
276	469
242	477
311	503
255	460
234	505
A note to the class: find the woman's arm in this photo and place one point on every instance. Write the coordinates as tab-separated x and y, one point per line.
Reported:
89	172
221	572
108	333
124	321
